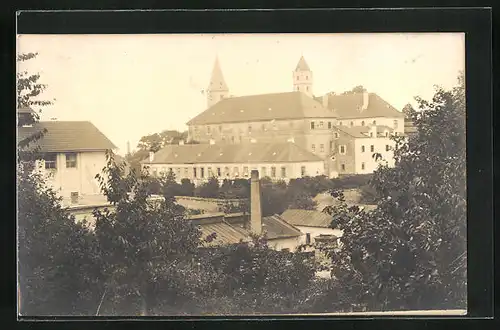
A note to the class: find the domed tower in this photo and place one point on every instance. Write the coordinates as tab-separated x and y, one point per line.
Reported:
303	78
217	88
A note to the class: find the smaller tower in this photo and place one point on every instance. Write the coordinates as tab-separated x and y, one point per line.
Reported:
217	88
303	78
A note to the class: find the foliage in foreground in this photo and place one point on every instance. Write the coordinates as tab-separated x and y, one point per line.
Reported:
410	252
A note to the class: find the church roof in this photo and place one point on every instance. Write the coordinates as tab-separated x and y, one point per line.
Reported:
302	65
264	107
282	152
350	106
217	82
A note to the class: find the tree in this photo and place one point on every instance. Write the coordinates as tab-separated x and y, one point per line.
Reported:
147	247
186	188
57	272
355	90
252	278
209	189
274	199
410	253
55	254
408	110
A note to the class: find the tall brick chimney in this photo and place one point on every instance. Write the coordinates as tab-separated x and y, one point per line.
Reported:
255	204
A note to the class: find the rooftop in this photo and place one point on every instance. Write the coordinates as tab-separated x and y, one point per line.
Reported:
302	65
364	131
65	136
217	82
347	106
280	152
310	218
264	107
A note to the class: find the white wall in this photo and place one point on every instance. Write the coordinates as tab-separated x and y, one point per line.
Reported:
293	170
80	179
279	244
366	157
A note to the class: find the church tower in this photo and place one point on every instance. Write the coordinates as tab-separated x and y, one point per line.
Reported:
303	78
217	88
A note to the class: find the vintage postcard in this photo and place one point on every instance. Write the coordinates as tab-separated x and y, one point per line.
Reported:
241	174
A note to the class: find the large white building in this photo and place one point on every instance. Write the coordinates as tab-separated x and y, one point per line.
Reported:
199	162
309	120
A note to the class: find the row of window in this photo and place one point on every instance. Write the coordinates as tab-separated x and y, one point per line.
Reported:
298	77
342	167
222	172
321	124
342	148
50	161
395	123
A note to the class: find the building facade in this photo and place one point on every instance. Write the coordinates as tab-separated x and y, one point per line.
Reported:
300	116
199	162
360	150
71	154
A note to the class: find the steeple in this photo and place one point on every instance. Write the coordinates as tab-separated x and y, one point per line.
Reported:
303	78
302	65
217	88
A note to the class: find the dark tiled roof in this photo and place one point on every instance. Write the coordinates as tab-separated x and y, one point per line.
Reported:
265	107
309	218
350	106
232	153
225	233
276	227
302	65
63	136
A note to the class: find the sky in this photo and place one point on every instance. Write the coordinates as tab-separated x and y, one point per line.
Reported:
130	86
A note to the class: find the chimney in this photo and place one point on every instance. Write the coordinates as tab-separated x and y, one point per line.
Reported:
181	142
151	156
325	100
365	100
128	147
291	140
255	205
212	141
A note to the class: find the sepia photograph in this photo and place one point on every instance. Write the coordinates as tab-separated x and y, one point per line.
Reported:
241	174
